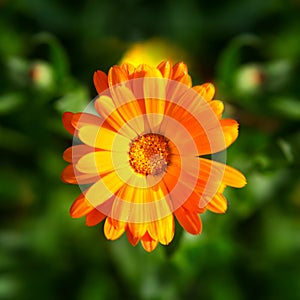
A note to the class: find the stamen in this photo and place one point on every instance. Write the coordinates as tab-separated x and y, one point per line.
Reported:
148	154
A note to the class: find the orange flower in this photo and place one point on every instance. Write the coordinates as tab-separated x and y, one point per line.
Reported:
137	153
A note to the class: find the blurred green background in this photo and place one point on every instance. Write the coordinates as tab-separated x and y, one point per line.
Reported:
49	50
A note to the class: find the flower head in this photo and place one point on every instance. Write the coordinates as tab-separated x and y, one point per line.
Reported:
137	153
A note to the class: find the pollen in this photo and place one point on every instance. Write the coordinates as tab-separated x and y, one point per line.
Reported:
149	154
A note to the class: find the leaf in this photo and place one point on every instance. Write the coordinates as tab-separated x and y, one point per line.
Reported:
10	102
286	107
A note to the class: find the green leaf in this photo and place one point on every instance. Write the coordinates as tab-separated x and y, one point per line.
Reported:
10	102
287	107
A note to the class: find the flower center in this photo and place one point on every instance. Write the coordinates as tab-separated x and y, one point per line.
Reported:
148	154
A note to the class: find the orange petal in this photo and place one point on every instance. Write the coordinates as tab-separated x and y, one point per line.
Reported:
171	177
190	221
206	90
137	230
128	69
155	113
180	73
165	69
162	230
184	193
68	176
106	108
131	238
148	243
116	75
100	81
192	203
191	109
144	70
119	109
199	132
179	69
74	153
209	181
113	229
67	122
82	119
218	204
213	135
67	155
129	112
94	217
230	130
80	207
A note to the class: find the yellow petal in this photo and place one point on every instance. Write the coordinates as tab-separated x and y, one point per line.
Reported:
141	205
102	138
234	178
100	162
162	230
104	189
113	229
218	204
145	70
129	206
206	90
229	176
218	107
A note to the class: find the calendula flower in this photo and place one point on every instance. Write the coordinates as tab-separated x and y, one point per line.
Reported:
137	153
